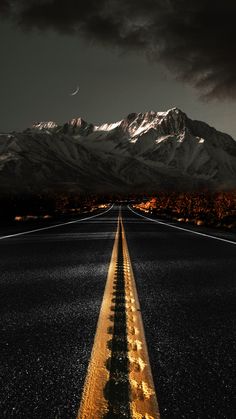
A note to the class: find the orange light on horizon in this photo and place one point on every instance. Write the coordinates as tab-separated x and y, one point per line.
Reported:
18	218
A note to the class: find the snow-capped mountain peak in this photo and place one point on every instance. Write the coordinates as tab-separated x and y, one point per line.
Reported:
107	126
44	125
135	123
145	151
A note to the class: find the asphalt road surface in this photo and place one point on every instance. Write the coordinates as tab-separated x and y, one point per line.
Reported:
51	287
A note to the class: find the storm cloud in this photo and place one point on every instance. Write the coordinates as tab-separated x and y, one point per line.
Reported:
194	39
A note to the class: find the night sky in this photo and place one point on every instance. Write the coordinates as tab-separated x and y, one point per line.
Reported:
126	56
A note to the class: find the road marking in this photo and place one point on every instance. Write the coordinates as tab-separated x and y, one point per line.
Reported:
54	226
119	380
184	229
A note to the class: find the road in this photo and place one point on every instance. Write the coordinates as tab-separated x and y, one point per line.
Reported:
51	289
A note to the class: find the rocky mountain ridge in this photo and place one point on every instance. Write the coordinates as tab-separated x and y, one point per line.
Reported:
143	152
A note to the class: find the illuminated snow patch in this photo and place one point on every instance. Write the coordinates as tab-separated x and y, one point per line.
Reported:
107	127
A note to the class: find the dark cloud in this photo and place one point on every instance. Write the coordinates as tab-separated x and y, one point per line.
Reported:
195	39
4	7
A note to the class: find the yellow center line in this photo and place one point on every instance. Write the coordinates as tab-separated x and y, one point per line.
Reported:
119	381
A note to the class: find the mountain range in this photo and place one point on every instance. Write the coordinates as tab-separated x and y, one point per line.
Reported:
144	152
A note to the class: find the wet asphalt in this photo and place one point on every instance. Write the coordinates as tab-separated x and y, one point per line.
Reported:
186	286
51	288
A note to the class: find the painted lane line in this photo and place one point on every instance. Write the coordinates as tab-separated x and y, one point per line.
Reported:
54	226
182	228
119	380
143	396
93	404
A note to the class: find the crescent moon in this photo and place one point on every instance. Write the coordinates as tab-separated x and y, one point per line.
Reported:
75	92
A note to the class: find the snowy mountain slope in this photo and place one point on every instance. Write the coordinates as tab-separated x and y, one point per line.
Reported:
143	152
47	162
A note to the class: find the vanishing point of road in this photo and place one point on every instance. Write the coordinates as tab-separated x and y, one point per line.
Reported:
150	306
